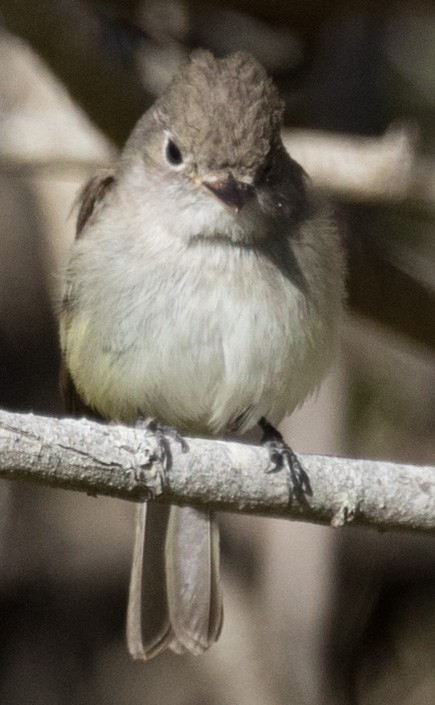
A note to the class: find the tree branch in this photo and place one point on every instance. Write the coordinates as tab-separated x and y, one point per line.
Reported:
387	169
127	463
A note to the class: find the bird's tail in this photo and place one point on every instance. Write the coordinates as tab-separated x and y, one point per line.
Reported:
175	596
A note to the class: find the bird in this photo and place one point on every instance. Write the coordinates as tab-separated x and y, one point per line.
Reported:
203	292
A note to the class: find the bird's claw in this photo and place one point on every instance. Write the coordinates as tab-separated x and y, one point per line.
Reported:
282	456
162	434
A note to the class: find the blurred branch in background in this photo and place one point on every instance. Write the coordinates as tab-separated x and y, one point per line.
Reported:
89	54
385	169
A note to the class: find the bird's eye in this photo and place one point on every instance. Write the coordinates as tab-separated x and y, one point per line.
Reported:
173	154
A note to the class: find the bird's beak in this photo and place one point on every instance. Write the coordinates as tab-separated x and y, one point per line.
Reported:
233	194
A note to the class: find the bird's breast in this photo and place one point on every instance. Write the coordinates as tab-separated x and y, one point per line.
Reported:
198	342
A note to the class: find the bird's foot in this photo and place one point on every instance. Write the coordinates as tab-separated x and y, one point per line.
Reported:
282	456
163	434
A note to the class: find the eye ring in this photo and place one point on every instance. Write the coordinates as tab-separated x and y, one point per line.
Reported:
173	154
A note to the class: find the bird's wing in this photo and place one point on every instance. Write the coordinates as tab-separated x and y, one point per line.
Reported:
89	199
92	195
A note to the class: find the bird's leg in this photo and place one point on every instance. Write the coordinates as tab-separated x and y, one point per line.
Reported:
162	433
281	455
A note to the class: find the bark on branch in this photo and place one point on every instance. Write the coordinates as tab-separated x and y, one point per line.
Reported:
127	463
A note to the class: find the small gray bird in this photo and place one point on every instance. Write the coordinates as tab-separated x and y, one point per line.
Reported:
204	290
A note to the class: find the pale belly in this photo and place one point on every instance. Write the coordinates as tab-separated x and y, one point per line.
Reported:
199	352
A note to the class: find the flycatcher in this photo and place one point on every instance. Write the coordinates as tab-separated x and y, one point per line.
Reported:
204	290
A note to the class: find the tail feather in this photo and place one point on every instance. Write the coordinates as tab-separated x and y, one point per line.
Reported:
192	573
148	626
175	596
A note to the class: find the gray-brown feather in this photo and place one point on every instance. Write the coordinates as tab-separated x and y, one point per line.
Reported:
225	111
91	195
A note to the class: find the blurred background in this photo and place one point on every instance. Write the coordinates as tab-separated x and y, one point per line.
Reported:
314	616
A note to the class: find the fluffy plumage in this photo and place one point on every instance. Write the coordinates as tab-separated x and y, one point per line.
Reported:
225	111
207	317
